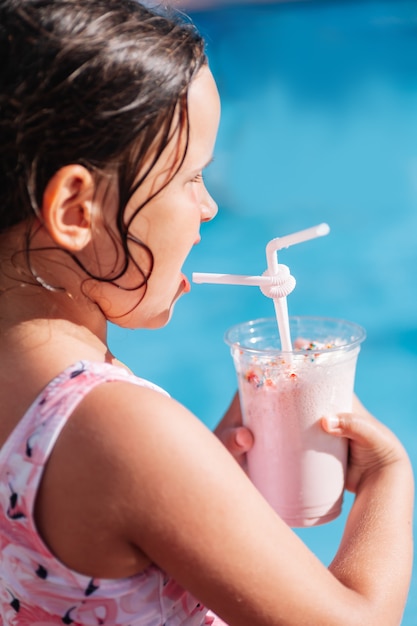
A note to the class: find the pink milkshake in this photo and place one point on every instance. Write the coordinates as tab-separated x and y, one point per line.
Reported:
298	467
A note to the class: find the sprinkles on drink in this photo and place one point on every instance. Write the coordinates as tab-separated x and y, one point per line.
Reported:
261	374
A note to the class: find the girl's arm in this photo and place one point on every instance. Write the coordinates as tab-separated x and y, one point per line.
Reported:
167	489
239	441
379	527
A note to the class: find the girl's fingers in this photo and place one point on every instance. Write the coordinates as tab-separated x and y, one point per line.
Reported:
238	440
372	445
362	428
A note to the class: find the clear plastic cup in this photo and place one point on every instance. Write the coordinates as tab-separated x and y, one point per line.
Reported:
298	467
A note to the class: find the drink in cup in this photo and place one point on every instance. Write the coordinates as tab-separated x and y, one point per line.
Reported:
285	388
298	467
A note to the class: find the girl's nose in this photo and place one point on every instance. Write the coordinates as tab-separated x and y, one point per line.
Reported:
209	208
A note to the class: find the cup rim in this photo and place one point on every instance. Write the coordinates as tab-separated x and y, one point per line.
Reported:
360	335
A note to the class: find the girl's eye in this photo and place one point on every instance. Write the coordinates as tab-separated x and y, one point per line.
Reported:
198	178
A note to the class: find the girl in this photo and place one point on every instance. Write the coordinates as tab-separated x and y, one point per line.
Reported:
117	506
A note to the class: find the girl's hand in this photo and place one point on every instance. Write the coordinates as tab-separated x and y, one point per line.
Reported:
235	437
372	445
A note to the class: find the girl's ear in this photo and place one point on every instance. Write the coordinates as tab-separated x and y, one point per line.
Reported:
67	207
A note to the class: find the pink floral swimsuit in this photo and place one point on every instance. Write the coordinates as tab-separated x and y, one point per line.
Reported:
35	588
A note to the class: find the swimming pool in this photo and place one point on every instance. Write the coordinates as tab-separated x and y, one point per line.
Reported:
319	124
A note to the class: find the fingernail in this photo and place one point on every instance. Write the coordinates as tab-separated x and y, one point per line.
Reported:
241	438
333	422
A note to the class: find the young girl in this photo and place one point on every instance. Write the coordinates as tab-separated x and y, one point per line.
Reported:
117	506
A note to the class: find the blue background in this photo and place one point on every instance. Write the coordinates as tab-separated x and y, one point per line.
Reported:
319	124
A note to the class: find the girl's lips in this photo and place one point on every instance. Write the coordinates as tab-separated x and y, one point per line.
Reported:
184	287
186	284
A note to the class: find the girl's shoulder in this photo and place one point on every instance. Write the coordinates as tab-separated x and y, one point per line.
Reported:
117	442
79	435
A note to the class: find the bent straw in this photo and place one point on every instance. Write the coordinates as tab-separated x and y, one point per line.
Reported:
280	304
272	247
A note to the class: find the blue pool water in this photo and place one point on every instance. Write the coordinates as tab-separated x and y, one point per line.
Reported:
319	124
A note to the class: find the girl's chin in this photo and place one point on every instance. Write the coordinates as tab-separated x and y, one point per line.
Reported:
150	322
153	320
161	319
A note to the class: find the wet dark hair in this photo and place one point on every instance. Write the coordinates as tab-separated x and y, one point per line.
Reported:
100	83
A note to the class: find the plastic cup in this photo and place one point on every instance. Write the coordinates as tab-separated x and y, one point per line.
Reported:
298	467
